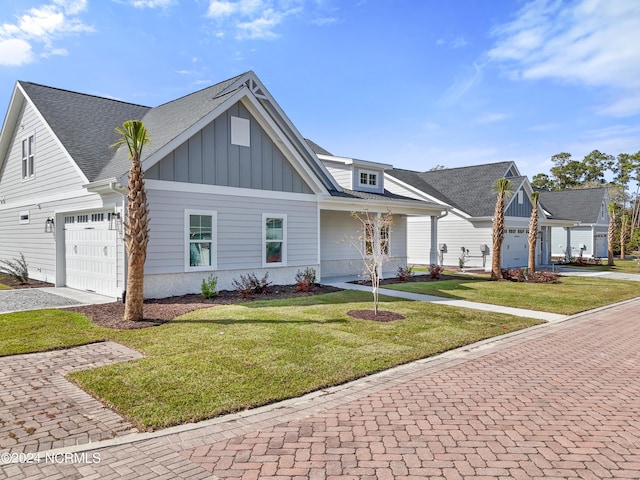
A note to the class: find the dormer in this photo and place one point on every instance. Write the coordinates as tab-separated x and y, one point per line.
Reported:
354	174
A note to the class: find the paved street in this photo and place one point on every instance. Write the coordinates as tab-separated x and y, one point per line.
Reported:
558	401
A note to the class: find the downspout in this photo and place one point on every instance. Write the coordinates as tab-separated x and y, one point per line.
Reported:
433	252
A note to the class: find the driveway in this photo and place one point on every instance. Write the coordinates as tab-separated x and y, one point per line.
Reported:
23	299
560	400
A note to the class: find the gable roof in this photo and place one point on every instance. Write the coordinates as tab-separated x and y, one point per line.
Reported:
469	189
581	204
85	124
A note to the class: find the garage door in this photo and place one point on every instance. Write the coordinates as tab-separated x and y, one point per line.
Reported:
90	253
515	248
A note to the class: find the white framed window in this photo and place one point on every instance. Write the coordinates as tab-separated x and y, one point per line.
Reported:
368	179
200	240
274	240
369	240
24	217
240	132
28	157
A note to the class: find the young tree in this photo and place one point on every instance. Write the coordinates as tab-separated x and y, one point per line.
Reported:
503	188
373	245
533	231
135	136
611	233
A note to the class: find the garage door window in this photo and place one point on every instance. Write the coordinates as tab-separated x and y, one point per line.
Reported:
200	228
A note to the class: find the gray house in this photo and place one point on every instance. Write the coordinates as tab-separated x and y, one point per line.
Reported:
232	186
465	233
588	207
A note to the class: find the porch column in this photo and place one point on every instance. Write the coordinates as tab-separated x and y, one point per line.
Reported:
433	251
568	251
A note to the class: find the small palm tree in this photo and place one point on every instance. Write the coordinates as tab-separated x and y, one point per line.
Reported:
503	190
611	233
135	136
624	229
533	231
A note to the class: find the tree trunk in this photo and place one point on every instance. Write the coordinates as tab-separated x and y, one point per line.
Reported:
533	236
623	236
498	237
610	236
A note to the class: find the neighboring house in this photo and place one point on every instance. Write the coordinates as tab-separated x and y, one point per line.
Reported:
589	208
465	234
232	186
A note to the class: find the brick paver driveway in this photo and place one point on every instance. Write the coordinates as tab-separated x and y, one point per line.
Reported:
557	401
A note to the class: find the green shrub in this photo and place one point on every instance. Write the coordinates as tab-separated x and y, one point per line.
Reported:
16	269
208	287
305	281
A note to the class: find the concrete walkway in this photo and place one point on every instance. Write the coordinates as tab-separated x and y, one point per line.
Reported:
558	400
452	302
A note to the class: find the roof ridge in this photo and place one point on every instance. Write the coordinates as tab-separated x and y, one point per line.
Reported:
203	89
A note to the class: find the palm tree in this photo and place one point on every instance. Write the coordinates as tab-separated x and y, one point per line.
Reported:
533	231
611	233
135	136
503	189
624	228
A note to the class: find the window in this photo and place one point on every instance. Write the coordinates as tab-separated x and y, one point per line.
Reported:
275	239
200	229
520	197
97	217
83	218
370	240
240	132
28	160
368	179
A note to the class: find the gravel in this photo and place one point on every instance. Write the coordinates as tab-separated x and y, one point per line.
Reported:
29	299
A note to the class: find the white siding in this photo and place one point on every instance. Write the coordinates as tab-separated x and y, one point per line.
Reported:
419	240
341	173
579	236
239	239
340	257
456	233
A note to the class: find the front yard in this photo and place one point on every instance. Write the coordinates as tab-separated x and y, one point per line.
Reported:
233	357
571	295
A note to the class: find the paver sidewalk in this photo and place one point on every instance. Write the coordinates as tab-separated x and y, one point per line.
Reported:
559	400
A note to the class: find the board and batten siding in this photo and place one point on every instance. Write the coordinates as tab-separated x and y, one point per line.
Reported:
239	238
520	205
209	157
340	257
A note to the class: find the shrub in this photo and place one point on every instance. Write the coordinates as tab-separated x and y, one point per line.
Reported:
305	281
435	271
523	275
250	285
582	261
404	274
208	287
16	269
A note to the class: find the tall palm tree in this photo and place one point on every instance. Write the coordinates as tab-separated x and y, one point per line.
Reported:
503	190
611	233
533	231
135	136
624	229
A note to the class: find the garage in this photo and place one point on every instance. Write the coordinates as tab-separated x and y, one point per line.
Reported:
90	253
515	248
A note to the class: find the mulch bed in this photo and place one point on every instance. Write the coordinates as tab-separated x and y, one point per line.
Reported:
381	316
413	278
162	310
11	282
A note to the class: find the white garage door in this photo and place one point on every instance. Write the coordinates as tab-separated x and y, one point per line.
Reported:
515	248
90	253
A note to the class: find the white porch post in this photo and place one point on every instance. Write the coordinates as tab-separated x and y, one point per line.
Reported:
433	251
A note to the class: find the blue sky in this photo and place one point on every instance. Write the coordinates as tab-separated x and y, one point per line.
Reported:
414	83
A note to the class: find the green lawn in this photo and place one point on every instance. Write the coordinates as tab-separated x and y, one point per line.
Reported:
229	358
2	285
571	295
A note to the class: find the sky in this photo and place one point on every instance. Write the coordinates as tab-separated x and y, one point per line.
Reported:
412	83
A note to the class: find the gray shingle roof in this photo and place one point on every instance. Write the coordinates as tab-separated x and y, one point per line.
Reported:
581	204
469	189
85	124
317	149
386	196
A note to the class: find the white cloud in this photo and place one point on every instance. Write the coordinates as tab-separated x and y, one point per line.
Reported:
152	3
321	22
44	25
589	42
492	118
457	42
461	85
15	52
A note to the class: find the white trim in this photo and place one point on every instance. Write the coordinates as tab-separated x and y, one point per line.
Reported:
170	186
283	262
187	240
377	174
42	200
354	161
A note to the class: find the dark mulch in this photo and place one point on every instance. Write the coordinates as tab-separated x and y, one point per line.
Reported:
381	316
413	278
162	310
13	283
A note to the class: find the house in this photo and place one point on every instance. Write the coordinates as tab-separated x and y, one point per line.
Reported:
232	186
589	208
464	234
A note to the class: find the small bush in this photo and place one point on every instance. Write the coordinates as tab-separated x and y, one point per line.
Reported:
305	281
585	261
16	269
435	271
250	285
523	275
404	274
208	287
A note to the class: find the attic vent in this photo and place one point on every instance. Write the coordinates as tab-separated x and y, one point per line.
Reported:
257	91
